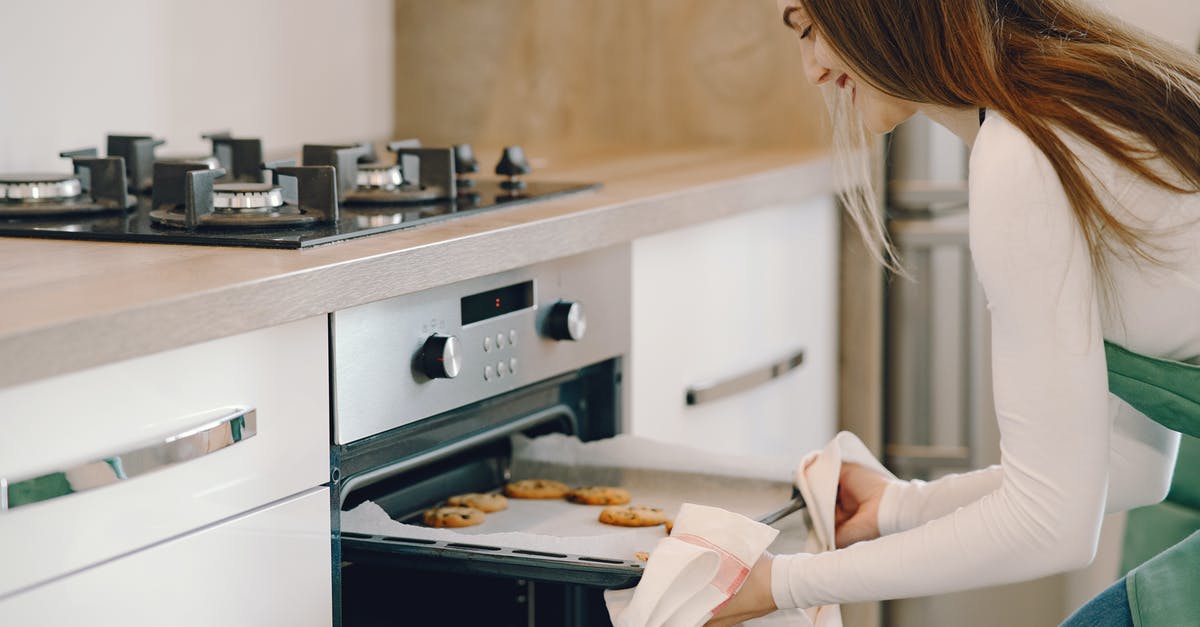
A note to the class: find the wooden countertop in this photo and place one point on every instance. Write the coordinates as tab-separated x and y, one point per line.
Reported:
69	305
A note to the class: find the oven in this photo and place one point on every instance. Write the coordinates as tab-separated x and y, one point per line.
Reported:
427	389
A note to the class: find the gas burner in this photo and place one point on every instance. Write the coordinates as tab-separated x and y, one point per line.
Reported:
418	175
246	197
98	185
186	196
384	184
35	187
380	176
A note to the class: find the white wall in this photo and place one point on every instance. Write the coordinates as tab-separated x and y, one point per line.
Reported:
288	71
1176	20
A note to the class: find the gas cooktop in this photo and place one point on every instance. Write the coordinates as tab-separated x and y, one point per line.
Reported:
233	198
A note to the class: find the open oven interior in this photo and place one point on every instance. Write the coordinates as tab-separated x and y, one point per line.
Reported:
407	581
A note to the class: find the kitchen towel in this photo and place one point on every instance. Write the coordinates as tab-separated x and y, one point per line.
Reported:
708	555
693	571
817	478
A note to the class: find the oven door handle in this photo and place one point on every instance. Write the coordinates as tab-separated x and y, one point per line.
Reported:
525	422
216	430
715	390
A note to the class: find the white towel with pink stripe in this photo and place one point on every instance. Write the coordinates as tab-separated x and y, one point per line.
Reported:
694	571
708	555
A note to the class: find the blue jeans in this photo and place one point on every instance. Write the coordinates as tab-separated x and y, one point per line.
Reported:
1107	609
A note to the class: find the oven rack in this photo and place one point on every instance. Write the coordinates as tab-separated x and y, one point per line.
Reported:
482	559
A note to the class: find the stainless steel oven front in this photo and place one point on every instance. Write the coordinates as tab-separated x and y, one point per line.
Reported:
426	389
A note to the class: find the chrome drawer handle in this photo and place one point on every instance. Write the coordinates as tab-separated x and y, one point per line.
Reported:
232	426
711	391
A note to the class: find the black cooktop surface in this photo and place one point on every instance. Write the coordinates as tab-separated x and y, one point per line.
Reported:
354	220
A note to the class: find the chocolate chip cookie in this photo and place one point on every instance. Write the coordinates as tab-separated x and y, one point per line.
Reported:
486	503
599	495
632	516
536	489
448	516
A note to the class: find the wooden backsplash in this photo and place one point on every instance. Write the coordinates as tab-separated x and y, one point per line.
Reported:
588	73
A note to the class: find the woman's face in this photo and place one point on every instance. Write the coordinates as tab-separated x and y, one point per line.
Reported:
880	112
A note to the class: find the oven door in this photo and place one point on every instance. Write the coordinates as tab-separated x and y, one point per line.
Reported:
380	579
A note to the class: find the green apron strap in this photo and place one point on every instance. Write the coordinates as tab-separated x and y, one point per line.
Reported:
1167	392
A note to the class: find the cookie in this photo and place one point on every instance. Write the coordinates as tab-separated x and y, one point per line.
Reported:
670	524
453	517
632	516
598	495
642	556
486	503
536	489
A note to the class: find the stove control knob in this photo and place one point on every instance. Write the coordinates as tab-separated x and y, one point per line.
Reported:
464	159
566	321
513	165
441	357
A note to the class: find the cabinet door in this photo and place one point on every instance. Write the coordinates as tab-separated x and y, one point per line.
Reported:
269	567
66	435
723	301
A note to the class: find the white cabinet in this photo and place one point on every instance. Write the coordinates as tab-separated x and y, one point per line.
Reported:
79	429
269	567
722	301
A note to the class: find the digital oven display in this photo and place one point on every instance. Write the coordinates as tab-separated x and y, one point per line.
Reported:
496	302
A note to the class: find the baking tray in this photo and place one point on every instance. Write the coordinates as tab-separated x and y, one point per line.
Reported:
554	540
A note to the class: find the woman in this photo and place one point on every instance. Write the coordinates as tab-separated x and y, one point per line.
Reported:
1084	227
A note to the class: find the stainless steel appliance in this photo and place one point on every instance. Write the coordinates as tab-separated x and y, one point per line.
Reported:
426	390
233	198
938	385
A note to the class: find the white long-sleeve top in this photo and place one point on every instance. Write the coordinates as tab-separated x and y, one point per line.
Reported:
1070	451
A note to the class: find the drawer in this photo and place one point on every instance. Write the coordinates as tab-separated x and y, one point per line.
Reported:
72	421
721	312
269	567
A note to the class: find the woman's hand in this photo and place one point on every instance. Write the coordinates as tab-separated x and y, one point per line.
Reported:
754	599
857	515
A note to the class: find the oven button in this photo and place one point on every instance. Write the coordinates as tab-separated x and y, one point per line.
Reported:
512	337
441	357
499	340
487	344
565	321
488	373
512	365
501	369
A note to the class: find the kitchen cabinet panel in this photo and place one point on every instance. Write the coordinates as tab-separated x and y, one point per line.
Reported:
717	301
78	421
269	567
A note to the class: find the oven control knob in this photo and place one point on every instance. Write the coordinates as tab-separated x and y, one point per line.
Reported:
566	321
441	357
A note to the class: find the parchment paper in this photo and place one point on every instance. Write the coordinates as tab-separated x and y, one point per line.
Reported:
656	474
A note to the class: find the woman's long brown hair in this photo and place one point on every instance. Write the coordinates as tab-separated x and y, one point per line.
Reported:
1046	65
